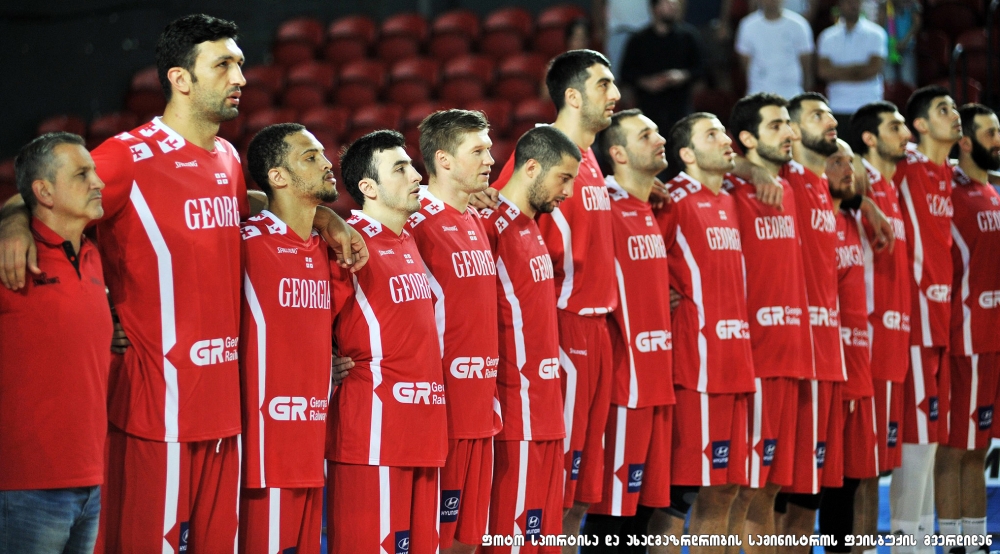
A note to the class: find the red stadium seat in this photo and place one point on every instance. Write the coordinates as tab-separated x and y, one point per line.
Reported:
67	123
396	48
973	39
550	42
898	93
405	24
349	38
301	29
145	101
417	112
952	18
501	151
146	79
528	65
328	140
515	88
332	119
471	66
501	42
373	117
448	46
530	112
934	53
460	91
458	22
291	53
232	130
518	20
498	113
412	80
265	77
302	97
254	99
560	16
107	126
360	83
263	118
320	74
973	87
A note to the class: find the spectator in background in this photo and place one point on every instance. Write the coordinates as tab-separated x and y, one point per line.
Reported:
711	18
662	62
615	21
902	21
775	46
578	35
851	55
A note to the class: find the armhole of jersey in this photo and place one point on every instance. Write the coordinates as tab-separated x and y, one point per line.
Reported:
116	193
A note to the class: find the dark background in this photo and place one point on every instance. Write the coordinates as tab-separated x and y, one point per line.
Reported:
78	57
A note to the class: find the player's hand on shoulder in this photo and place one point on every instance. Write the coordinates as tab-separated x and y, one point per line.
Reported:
675	299
885	238
487	199
17	246
769	192
346	242
341	367
659	196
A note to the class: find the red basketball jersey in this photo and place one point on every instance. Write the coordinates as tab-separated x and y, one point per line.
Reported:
285	354
640	327
853	309
887	285
528	381
462	274
390	410
975	313
711	330
775	282
578	235
925	198
170	241
818	229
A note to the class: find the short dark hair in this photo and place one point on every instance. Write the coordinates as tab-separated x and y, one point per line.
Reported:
613	135
178	43
35	161
795	104
269	150
746	113
358	160
569	70
867	119
680	137
919	105
968	114
546	145
444	130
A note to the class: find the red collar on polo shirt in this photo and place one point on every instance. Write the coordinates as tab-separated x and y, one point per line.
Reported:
46	235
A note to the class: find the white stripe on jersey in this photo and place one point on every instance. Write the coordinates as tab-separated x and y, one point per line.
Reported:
173	491
918	263
567	243
258	318
519	354
869	267
620	439
239	479
699	302
973	419
274	521
963	249
168	325
570	401
437	510
384	506
875	430
522	483
843	358
919	392
706	462
375	339
633	384
438	306
814	389
755	459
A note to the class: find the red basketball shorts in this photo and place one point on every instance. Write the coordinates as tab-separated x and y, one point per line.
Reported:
819	460
773	414
373	507
466	482
922	397
274	519
527	497
710	439
861	451
974	388
585	359
888	423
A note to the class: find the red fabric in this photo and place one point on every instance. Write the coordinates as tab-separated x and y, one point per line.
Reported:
772	418
640	330
888	423
285	315
819	460
298	521
854	332
628	453
467	478
460	266
975	382
718	458
390	409
55	398
170	243
861	449
527	493
656	474
924	406
780	336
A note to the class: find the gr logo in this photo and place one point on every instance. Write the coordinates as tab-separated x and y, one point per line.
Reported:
939	293
651	341
720	454
989	299
574	473
464	367
635	472
549	368
205	352
771	315
412	393
770	446
288	408
732	329
533	523
892	320
402	542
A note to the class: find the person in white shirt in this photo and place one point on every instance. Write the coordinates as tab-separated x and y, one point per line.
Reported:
851	55
616	21
775	46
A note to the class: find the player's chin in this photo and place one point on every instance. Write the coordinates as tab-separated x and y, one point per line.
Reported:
228	113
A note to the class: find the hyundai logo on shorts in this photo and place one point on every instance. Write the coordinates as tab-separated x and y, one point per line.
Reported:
575	472
932	408
720	454
182	542
403	542
533	523
820	454
770	445
635	477
449	505
892	436
985	417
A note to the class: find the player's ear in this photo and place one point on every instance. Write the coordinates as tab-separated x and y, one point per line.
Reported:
44	192
965	144
442	159
276	177
687	155
369	188
180	79
870	140
920	124
573	98
747	140
618	154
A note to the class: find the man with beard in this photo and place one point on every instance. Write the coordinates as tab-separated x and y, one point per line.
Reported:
880	135
170	246
713	364
638	433
663	62
284	344
527	492
578	236
924	179
779	324
455	145
844	510
975	348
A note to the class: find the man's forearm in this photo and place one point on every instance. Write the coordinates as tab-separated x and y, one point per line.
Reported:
14	207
